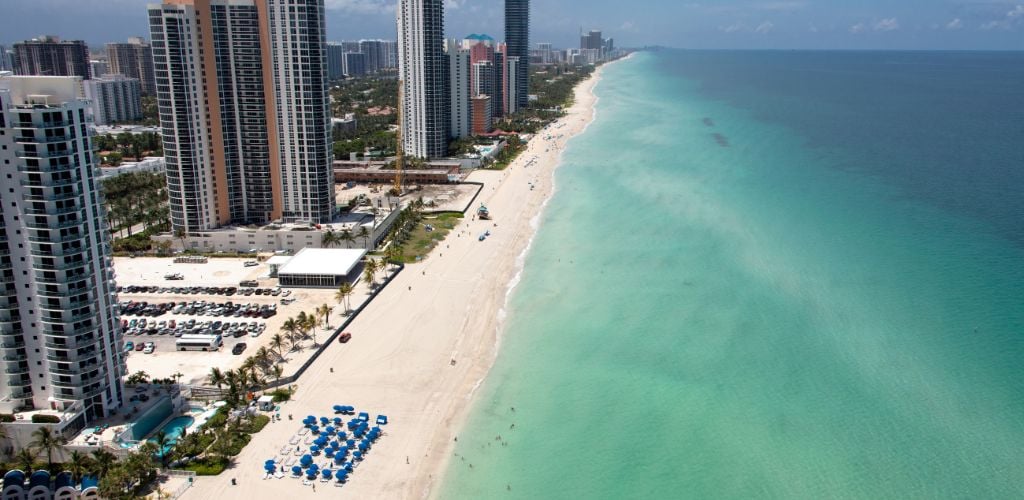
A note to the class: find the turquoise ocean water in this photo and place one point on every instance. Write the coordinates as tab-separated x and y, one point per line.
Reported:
771	275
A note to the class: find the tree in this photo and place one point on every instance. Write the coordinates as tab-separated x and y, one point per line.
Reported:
330	239
277	371
78	463
365	235
277	343
370	272
139	377
182	235
343	294
325	311
291	330
102	461
45	440
177	377
162	441
217	377
26	458
382	266
347	238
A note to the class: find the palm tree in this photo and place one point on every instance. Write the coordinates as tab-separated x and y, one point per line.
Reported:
177	377
329	239
343	294
347	238
277	371
161	440
25	458
77	464
217	377
370	272
365	235
291	329
44	439
325	311
303	323
393	254
102	461
382	265
277	343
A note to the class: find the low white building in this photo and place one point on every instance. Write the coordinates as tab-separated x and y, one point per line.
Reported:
155	164
321	268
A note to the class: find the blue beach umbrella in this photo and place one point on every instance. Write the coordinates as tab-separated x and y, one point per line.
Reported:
314	467
310	474
342	436
296	470
339	459
338	408
337	421
326	473
329	453
324	421
357	455
364	416
350	443
348	467
329	429
306	459
341	475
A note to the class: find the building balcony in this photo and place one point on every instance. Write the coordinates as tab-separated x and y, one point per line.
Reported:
54	196
55	238
44	139
18	368
45	168
40	124
23	153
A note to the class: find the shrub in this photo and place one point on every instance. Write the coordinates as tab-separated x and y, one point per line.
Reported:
280	395
45	419
258	423
219	419
6	417
207	466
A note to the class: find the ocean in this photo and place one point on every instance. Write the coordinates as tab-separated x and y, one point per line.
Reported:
771	275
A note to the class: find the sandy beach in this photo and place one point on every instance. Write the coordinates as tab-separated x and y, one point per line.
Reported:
423	347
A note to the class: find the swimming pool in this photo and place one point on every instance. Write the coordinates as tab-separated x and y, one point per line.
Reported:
174	429
152	418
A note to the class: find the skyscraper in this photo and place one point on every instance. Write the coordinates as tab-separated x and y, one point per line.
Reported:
58	309
134	60
517	39
244	109
50	56
459	90
114	98
335	60
423	70
5	61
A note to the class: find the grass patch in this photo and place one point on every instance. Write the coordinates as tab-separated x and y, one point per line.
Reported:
421	242
207	466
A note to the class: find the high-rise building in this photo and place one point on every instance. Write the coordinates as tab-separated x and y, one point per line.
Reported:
591	40
5	61
517	38
511	85
50	56
545	52
482	119
374	51
355	64
58	309
459	90
390	50
134	60
244	111
99	67
423	70
482	48
114	98
335	60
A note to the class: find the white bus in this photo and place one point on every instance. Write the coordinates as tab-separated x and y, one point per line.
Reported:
199	342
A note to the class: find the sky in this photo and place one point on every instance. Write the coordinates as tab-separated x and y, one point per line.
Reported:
726	24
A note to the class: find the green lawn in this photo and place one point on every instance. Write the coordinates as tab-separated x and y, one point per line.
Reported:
422	242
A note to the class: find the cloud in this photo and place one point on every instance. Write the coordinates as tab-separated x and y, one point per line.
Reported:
1012	18
627	26
857	28
764	28
732	28
955	24
890	24
361	6
453	4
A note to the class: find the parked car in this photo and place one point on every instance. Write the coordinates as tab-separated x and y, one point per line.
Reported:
129	346
238	349
345	337
140	346
251	263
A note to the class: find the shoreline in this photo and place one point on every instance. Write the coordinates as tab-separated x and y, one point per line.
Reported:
423	348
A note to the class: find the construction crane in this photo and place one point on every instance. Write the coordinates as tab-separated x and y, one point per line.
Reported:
400	149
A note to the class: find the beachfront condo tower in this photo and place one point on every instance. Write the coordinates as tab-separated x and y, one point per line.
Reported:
423	70
51	56
242	91
59	329
517	41
133	60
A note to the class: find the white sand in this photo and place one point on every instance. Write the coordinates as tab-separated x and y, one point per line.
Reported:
399	359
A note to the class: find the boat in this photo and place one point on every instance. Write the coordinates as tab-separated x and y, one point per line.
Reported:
483	213
345	337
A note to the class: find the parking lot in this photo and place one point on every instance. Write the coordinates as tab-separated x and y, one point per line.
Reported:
205	291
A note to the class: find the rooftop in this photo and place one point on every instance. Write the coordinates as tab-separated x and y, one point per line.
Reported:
330	261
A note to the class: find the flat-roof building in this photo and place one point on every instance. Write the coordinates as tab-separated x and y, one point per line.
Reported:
321	268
